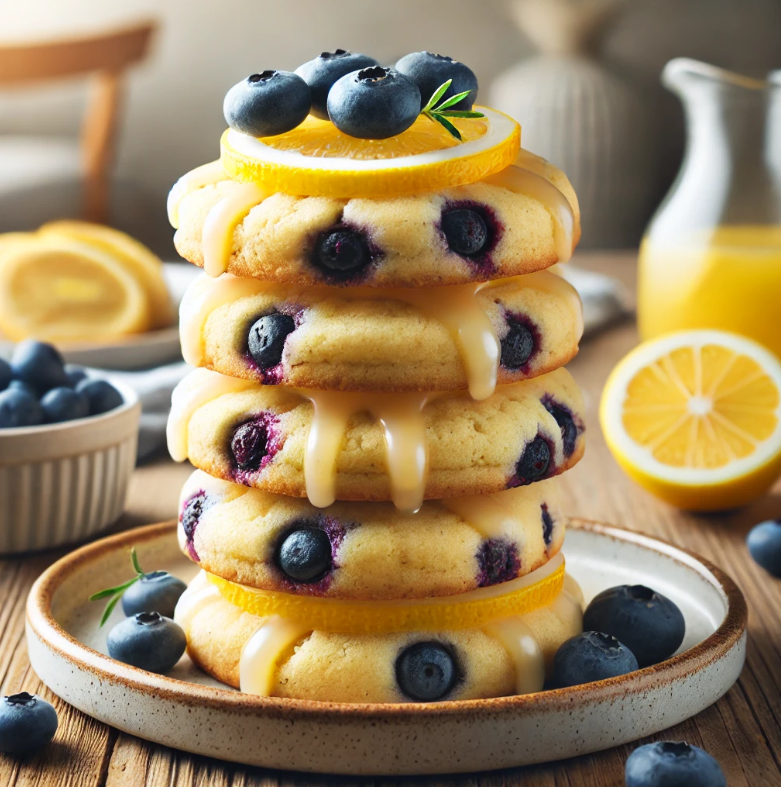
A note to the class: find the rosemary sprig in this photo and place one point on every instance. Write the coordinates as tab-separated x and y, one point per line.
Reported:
116	593
440	114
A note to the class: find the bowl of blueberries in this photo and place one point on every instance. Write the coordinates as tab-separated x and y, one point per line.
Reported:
67	450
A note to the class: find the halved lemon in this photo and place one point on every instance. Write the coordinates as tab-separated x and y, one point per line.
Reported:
316	159
695	418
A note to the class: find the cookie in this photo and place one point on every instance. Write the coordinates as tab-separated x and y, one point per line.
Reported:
367	550
380	340
496	660
441	445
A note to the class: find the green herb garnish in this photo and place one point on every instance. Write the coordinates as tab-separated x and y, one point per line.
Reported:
117	592
441	113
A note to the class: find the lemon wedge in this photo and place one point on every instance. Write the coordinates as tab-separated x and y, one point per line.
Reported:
316	159
695	418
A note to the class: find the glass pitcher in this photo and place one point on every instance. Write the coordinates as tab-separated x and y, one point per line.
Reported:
711	256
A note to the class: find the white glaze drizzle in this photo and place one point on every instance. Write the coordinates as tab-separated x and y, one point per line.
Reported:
199	595
204	175
526	653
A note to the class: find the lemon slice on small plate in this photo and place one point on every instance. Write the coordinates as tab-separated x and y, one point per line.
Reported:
695	418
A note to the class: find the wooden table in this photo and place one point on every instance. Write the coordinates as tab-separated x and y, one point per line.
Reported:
743	730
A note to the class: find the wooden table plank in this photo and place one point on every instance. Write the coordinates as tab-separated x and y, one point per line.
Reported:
743	730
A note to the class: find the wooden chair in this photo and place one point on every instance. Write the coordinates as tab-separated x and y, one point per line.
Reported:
106	59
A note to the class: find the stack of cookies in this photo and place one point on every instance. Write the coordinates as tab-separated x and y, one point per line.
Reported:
379	413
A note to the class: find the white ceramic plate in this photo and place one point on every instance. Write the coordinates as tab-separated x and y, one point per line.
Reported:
190	711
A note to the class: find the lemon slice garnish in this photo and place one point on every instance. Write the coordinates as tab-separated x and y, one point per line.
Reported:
695	417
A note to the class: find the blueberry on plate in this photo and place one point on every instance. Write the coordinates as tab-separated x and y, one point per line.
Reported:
374	103
342	251
75	374
648	623
19	408
6	374
64	404
101	396
18	385
465	231
669	764
39	365
27	723
764	545
267	104
148	641
304	554
322	72
591	656
157	591
266	339
429	71
426	671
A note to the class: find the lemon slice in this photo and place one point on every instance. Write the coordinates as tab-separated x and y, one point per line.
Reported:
138	259
695	417
58	289
467	610
318	160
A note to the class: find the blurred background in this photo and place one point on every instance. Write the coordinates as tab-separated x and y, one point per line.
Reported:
581	77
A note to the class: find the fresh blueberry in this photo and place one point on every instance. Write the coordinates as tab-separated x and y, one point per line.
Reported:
19	408
27	723
39	365
18	385
426	671
75	374
267	104
305	554
591	656
322	72
669	764
648	623
465	231
429	71
764	545
249	445
267	339
373	103
148	641
517	345
101	396
569	431
6	374
64	404
156	591
343	251
534	461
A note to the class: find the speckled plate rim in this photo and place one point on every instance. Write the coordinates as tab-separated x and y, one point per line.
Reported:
711	649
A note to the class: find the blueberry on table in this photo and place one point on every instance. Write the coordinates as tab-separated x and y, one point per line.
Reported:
267	104
27	723
591	656
101	396
426	671
322	72
648	623
6	374
19	408
342	251
764	545
39	365
304	554
374	103
266	339
64	404
157	591
148	641
75	374
465	231
669	764
428	71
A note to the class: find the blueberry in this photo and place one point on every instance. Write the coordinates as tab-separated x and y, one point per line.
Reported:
517	345
648	623
27	723
465	231
322	72
591	656
19	408
148	641
192	511
668	764
156	591
6	374
429	71
18	385
39	365
764	545
373	103
305	554
498	561
547	525
267	104
343	251
249	445
426	671
267	339
101	396
75	374
64	404
569	431
534	461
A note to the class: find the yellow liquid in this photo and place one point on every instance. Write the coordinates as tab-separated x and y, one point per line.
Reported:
731	281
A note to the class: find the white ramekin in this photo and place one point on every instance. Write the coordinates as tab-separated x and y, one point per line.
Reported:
62	483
